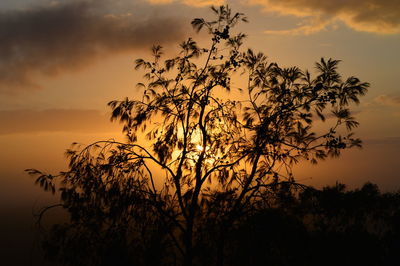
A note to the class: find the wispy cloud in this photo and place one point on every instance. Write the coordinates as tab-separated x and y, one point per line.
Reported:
195	3
67	36
389	100
55	120
308	27
376	16
387	140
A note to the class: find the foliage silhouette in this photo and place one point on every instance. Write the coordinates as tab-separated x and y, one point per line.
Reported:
225	164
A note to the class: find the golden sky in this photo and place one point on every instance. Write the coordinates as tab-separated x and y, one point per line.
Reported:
62	61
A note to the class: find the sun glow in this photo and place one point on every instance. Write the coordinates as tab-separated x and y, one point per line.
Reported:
199	148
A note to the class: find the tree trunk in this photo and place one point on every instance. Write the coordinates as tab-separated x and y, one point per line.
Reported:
188	256
220	248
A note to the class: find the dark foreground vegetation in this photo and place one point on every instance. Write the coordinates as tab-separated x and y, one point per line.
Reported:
290	225
203	179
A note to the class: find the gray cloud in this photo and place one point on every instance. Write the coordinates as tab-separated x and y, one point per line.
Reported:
67	36
55	120
377	16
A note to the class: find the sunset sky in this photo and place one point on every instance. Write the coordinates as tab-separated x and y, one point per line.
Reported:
62	61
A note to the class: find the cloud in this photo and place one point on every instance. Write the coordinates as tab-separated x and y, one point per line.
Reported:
306	28
55	120
376	16
389	100
68	36
195	3
385	140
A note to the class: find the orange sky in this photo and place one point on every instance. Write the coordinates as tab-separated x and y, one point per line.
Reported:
62	61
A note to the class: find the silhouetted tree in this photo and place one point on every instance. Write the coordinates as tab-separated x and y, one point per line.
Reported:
331	226
219	158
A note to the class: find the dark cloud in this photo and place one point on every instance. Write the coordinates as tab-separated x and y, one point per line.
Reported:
68	36
55	120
